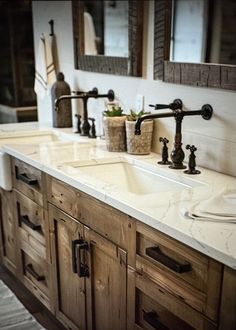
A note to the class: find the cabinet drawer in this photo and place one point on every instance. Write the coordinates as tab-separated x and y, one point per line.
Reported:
28	180
31	217
156	308
105	220
182	271
35	269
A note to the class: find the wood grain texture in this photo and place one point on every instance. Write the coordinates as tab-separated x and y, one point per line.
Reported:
8	231
200	287
147	237
106	285
228	300
107	221
174	310
68	288
35	214
34	192
193	74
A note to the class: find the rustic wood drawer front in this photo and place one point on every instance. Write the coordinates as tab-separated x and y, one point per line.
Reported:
28	180
156	308
31	217
183	272
35	269
105	220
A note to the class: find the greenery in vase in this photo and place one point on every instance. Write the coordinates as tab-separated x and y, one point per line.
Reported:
114	112
133	116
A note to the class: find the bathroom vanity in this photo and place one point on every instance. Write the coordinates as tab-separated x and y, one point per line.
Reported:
102	253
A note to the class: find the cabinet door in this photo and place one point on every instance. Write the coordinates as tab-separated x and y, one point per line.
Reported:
7	230
69	288
105	283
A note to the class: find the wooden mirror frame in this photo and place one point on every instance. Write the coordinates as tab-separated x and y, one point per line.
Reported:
194	74
125	66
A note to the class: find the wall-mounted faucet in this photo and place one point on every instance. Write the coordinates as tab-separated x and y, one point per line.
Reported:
85	129
175	105
177	154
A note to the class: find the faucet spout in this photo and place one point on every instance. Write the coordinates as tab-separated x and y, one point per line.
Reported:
151	116
66	97
85	97
177	154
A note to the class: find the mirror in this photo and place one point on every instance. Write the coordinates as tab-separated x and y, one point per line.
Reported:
203	31
108	36
209	60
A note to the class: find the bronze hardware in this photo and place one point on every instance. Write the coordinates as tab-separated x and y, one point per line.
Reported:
29	268
156	254
23	177
192	163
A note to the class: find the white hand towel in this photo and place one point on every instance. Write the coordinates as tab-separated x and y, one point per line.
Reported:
45	74
219	208
89	35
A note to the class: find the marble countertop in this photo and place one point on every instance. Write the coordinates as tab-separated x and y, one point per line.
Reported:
160	210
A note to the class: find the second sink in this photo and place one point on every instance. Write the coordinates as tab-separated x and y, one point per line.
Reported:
128	176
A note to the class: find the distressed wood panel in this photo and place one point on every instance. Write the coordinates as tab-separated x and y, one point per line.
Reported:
7	230
228	301
106	286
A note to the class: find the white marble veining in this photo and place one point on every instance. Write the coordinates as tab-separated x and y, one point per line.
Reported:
160	210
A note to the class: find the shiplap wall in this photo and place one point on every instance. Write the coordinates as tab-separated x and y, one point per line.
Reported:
215	139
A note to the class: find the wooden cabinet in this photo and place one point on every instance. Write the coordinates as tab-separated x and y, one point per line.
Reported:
33	252
29	181
95	267
7	231
107	221
228	300
175	287
90	276
106	283
68	287
94	250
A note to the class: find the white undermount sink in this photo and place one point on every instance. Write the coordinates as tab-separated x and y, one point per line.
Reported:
128	176
26	137
32	137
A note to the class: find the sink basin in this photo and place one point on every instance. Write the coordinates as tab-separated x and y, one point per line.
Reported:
129	177
27	137
30	138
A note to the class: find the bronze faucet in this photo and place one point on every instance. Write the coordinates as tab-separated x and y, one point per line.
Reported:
85	129
177	154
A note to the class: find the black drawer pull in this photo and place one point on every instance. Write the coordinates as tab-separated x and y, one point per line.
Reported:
29	268
156	253
23	177
152	319
25	219
79	246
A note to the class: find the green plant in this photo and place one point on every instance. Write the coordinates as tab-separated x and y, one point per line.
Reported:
134	116
114	112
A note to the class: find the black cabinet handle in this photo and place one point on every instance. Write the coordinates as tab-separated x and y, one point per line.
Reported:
152	319
156	253
79	246
74	261
23	177
25	219
29	268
